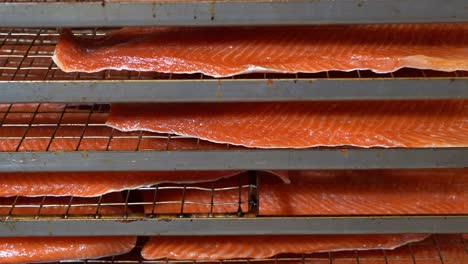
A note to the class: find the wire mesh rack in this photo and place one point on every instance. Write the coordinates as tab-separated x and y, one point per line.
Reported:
438	249
28	74
73	127
235	196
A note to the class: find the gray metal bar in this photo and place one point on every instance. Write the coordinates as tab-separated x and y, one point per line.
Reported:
92	14
237	226
234	159
232	90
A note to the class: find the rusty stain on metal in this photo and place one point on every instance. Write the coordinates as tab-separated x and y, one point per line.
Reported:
269	82
153	9
10	224
49	229
127	220
84	155
211	9
344	152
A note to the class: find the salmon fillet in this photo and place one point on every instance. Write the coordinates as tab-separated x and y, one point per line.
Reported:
46	249
358	192
221	52
325	192
305	124
256	247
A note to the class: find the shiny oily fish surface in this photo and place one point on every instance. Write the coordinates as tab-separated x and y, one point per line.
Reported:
411	124
222	52
256	247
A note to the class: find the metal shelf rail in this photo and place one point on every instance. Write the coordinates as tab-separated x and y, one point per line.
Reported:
28	74
109	226
70	161
210	13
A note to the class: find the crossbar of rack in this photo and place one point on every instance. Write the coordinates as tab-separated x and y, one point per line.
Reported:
233	159
233	226
233	90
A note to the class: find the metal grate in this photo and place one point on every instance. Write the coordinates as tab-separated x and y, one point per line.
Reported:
438	249
25	54
68	127
164	200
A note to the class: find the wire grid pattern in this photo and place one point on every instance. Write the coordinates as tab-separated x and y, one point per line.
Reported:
26	54
234	196
438	249
73	127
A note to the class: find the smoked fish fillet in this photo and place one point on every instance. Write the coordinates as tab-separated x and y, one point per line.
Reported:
304	124
255	247
366	192
48	249
221	52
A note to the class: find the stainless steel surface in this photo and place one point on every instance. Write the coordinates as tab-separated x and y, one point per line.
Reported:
233	160
109	226
27	74
210	13
233	90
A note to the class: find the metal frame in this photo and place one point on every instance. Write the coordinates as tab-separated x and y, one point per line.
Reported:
229	90
233	159
211	13
233	226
